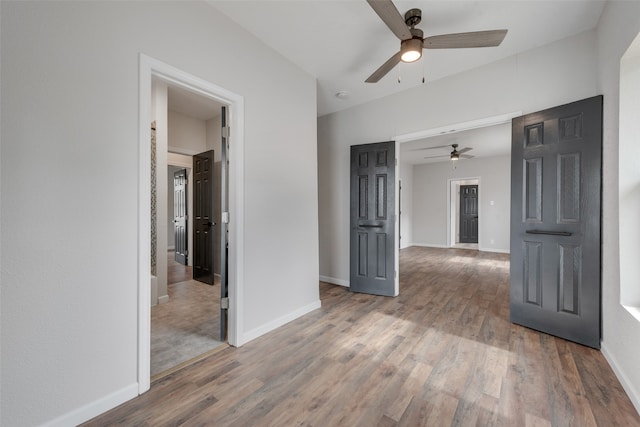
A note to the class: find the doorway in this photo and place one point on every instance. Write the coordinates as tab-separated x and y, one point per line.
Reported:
186	323
458	236
152	69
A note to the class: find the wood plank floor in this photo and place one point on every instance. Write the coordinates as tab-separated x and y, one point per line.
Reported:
188	325
443	353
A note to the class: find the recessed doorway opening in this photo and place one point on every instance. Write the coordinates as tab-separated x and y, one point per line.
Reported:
231	206
464	219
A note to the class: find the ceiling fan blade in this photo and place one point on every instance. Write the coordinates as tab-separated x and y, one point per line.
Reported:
466	156
430	148
464	150
387	11
464	40
384	68
435	157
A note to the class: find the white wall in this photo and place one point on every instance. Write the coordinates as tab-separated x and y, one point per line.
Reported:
187	135
69	131
431	191
629	176
406	208
555	74
618	26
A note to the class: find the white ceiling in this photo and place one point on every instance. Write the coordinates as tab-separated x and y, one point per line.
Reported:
192	104
342	42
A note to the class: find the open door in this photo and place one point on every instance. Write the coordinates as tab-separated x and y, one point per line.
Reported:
556	167
372	240
203	240
180	215
224	245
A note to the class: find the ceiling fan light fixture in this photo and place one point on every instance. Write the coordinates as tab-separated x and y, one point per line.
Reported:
411	50
455	155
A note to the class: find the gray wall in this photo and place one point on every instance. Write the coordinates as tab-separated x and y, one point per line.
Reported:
69	131
431	195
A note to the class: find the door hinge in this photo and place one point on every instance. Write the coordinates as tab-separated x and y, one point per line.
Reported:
225	217
395	274
224	303
396	161
225	132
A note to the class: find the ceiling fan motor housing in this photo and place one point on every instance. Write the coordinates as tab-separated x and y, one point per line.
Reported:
413	17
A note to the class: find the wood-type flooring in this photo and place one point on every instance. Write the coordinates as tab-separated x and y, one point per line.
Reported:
188	325
443	353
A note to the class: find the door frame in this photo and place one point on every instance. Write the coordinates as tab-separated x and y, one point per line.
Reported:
453	207
152	68
450	129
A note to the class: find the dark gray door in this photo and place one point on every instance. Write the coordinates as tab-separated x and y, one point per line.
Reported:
468	214
372	253
224	246
203	240
180	215
555	221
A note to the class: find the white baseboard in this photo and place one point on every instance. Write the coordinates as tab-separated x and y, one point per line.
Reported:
163	299
430	245
406	245
433	245
632	392
334	281
498	251
261	330
95	408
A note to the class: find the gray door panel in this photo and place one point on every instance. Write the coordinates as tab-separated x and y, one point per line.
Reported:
203	222
468	214
556	173
372	253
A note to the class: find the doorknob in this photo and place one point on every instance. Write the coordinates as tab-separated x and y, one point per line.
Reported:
211	224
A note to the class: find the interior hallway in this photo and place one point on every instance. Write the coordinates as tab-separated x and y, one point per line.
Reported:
188	325
442	353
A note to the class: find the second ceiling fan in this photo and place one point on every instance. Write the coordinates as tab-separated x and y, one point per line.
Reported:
454	155
412	41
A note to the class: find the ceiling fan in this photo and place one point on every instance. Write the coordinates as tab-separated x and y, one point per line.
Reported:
454	155
412	41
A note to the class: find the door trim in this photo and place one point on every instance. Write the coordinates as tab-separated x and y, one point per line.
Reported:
152	68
